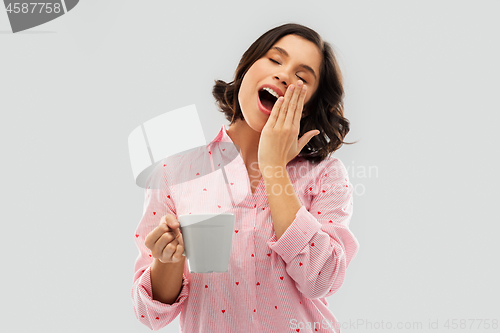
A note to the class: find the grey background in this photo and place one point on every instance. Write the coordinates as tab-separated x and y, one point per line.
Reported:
421	82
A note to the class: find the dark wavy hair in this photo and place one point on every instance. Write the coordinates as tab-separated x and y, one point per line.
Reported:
325	109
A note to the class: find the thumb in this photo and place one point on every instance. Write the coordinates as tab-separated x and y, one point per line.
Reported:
171	221
306	138
175	225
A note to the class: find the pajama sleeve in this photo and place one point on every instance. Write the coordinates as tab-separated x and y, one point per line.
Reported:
318	246
157	203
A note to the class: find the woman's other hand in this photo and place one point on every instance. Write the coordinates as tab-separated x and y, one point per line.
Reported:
165	241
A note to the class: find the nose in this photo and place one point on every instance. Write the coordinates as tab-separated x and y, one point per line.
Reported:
281	80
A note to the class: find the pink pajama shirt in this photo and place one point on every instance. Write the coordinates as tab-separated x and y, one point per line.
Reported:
271	285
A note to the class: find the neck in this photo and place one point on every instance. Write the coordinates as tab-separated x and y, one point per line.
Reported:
247	139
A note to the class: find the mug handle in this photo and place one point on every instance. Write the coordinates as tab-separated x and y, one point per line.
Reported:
183	253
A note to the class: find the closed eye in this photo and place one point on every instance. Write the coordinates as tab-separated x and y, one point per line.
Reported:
302	79
280	64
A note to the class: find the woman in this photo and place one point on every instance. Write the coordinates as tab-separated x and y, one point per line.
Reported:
292	244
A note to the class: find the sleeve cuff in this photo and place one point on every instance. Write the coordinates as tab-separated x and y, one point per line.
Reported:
296	236
145	283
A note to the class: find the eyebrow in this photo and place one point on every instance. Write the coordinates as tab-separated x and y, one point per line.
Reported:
282	51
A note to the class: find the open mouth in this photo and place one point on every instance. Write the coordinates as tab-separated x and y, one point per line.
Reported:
267	100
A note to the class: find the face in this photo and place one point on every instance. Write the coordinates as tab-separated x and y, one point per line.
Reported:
292	58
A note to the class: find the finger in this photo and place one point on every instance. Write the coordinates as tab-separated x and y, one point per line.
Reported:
174	225
171	221
159	246
168	251
162	228
300	106
176	231
288	95
292	107
275	112
284	109
177	256
178	237
155	235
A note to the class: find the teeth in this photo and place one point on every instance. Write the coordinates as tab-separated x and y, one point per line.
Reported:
272	92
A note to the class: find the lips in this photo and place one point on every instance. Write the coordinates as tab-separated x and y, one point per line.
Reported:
264	108
265	100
